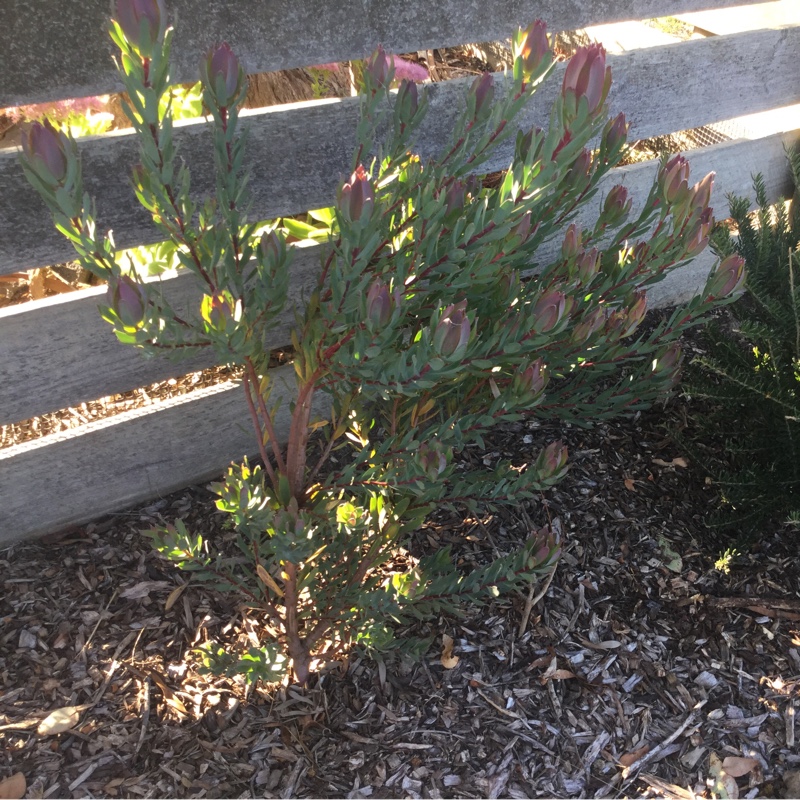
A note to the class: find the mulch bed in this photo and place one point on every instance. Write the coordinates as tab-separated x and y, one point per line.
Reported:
640	669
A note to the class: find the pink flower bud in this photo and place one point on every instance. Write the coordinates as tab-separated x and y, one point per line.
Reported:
577	177
218	310
701	192
616	206
589	325
45	150
615	135
455	198
522	229
551	464
452	332
378	66
481	93
634	314
572	242
272	247
128	299
432	459
143	22
697	239
588	264
407	101
667	365
544	548
727	278
357	198
379	303
673	178
533	379
548	311
588	77
223	75
534	48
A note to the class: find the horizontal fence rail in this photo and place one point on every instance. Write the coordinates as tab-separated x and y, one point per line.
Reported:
297	154
279	34
59	352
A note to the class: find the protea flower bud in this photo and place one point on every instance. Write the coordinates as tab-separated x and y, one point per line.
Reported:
407	101
128	299
587	77
588	326
378	67
616	207
572	244
634	314
667	365
673	178
588	265
577	177
218	310
357	198
481	93
432	459
698	238
615	134
272	247
143	22
701	192
544	547
548	311
533	379
727	278
533	48
45	150
223	75
551	464
452	332
522	230
455	198
379	303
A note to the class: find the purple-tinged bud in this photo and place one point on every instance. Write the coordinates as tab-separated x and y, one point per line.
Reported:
143	22
379	303
588	326
572	242
698	239
727	278
533	48
128	299
378	67
617	206
545	549
548	311
667	365
522	229
481	93
533	379
588	265
634	314
407	101
578	175
673	178
551	464
223	75
272	247
45	149
456	197
357	198
615	134
218	310
701	191
432	459
452	332
587	76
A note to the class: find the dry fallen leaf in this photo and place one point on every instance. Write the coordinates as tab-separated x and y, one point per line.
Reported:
626	759
268	580
60	720
174	595
725	786
142	589
448	659
629	484
676	462
13	788
738	766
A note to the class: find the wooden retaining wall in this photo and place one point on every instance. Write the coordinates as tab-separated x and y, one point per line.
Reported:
57	353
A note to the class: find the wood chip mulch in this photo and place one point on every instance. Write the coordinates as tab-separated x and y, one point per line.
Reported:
641	670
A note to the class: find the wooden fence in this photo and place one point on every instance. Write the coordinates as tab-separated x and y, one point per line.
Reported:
57	353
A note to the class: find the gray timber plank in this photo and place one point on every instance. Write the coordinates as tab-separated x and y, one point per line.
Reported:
59	353
661	90
51	49
68	479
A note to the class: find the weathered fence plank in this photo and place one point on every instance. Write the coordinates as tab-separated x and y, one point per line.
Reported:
59	352
67	479
297	154
279	34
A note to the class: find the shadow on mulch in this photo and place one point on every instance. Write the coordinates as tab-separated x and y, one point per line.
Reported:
641	665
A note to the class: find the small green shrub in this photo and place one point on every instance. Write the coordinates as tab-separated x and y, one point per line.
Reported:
420	335
750	377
